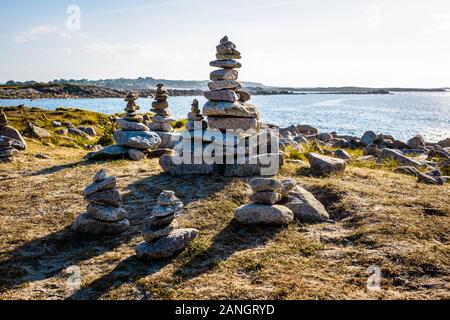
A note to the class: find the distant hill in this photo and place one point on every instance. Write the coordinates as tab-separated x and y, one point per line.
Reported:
137	84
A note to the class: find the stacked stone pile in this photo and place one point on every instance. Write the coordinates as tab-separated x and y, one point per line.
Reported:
232	153
195	116
162	236
279	202
10	140
134	140
105	214
161	122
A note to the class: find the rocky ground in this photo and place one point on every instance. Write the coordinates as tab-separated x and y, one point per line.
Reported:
379	218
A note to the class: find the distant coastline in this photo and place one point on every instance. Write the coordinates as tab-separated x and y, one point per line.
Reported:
35	91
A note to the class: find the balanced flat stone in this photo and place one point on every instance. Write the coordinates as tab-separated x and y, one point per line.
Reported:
164	211
167	246
131	126
109	197
137	139
88	225
168	139
224	84
161	221
153	233
222	95
325	165
112	152
226	64
266	197
106	213
243	95
158	126
234	123
160	105
264	214
224	74
105	184
230	109
265	184
237	55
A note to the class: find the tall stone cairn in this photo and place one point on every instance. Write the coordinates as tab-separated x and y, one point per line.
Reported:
105	214
162	236
162	120
10	140
227	107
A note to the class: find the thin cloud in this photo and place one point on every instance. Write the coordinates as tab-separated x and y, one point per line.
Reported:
149	6
35	33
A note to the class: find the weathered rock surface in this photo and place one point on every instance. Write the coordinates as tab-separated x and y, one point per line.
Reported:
224	123
131	126
264	214
105	184
109	197
88	225
266	197
167	163
342	154
137	139
36	132
264	184
368	138
224	74
416	142
167	246
230	109
305	206
325	165
106	213
12	133
224	84
222	95
226	64
136	155
153	233
398	156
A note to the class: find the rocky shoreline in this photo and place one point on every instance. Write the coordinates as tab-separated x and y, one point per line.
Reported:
69	91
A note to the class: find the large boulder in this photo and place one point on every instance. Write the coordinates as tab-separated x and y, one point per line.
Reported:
305	206
35	132
137	139
264	214
398	156
443	143
416	142
368	138
325	165
167	246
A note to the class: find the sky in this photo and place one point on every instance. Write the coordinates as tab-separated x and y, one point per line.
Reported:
301	43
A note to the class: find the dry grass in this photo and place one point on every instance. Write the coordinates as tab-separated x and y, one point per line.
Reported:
382	219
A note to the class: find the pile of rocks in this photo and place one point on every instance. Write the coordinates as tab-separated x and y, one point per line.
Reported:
10	140
195	116
134	140
279	202
161	122
105	214
234	144
162	236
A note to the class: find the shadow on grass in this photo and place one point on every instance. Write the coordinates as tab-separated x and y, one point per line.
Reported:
233	238
47	256
127	271
59	168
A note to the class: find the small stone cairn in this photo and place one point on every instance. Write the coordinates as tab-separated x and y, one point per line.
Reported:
10	140
134	140
105	214
162	236
195	116
161	121
265	208
280	202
